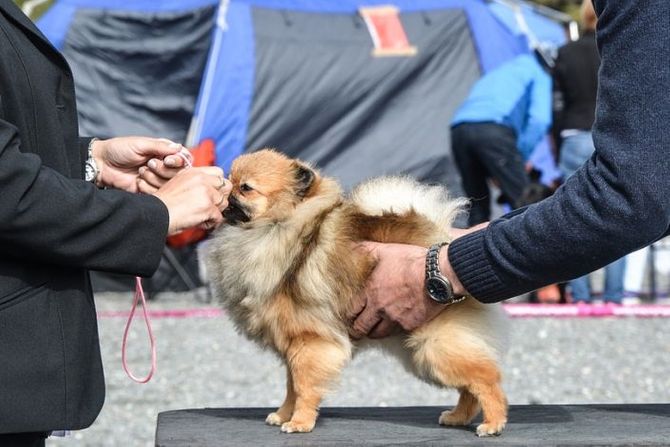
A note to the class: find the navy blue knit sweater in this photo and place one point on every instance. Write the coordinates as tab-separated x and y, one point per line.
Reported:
619	200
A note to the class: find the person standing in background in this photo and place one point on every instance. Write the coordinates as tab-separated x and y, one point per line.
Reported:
575	89
505	115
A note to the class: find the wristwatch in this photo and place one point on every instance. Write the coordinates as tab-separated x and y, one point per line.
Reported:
91	170
438	287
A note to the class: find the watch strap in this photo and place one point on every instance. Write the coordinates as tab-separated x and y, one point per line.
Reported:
91	169
433	271
432	259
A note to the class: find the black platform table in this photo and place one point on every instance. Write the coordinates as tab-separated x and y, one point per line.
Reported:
529	425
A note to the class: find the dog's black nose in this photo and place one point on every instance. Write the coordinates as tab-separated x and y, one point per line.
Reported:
235	212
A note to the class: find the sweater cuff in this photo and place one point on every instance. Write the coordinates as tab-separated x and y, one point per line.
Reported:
469	260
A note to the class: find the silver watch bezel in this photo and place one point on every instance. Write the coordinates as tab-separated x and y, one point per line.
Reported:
91	170
433	273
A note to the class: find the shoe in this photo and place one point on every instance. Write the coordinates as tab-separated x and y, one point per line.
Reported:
549	294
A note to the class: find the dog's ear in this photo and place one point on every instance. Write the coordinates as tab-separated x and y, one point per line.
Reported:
304	178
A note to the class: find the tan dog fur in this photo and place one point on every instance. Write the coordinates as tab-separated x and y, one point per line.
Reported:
289	275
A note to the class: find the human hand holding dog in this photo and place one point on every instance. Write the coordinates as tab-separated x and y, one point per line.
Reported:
195	197
136	164
394	296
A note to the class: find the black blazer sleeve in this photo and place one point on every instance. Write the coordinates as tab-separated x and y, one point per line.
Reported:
47	217
83	147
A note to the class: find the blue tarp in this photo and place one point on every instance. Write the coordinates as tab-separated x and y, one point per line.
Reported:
227	90
222	113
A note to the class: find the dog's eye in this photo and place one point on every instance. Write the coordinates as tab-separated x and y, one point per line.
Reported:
245	187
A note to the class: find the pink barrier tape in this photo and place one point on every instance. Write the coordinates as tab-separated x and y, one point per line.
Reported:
586	310
206	312
520	310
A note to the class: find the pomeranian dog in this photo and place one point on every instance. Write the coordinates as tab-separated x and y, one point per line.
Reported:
285	268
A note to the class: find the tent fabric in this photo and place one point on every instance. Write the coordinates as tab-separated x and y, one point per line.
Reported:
129	74
321	97
119	60
545	30
367	137
57	20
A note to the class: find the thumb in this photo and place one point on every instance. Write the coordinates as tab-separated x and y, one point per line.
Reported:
158	147
369	247
364	322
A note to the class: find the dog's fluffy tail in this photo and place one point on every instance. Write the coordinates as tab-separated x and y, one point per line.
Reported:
400	195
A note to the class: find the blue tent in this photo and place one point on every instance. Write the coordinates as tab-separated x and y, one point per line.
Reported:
298	75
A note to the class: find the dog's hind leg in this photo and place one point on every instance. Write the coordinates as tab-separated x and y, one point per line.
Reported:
467	368
494	405
481	380
284	412
314	363
464	412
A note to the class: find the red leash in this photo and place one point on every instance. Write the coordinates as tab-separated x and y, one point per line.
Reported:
139	296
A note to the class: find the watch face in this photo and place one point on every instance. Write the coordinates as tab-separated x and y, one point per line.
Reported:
439	290
89	171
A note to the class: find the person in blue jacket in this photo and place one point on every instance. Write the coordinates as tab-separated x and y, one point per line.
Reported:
493	133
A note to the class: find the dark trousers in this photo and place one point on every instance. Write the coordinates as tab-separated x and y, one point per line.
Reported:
483	151
23	440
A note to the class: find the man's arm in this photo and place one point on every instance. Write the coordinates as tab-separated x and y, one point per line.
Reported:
618	201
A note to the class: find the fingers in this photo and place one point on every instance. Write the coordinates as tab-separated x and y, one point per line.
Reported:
212	170
364	323
383	329
145	188
155	177
368	247
159	147
194	197
220	195
173	161
227	187
212	223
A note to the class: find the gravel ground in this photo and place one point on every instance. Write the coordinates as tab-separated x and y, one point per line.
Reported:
202	362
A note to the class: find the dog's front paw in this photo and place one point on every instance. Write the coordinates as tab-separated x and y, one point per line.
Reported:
452	418
297	427
275	419
490	429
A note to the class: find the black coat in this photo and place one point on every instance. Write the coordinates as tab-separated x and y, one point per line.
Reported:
54	226
576	82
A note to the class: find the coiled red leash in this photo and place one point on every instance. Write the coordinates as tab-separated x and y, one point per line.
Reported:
139	296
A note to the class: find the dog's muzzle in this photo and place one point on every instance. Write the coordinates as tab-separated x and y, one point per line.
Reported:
235	213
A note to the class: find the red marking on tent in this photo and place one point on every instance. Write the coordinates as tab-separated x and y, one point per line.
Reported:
386	31
521	310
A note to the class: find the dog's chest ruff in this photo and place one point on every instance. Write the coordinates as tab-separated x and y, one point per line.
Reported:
251	265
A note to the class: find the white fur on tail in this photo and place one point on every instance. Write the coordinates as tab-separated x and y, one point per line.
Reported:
401	194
